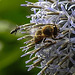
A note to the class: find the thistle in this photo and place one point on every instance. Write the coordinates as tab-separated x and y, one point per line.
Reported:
54	54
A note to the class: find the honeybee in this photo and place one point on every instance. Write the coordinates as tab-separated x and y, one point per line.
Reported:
46	31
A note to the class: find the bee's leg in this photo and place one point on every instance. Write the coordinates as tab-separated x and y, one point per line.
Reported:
58	37
44	40
48	41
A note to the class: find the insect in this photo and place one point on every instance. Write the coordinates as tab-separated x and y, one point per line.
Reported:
46	31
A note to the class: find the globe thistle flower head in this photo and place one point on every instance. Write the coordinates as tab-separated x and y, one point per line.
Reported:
52	36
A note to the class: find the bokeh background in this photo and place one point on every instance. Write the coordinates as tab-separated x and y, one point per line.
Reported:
12	14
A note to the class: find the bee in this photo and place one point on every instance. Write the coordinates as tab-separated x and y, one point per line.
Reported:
47	31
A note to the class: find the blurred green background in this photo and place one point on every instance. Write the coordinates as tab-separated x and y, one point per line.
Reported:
12	14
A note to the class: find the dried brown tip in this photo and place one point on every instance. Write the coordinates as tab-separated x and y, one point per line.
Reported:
63	18
30	24
31	59
65	31
56	73
49	62
63	60
53	13
50	1
32	6
37	63
15	30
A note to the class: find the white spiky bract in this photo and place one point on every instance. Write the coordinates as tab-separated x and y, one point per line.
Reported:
57	58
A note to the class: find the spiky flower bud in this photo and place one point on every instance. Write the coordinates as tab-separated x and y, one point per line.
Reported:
54	54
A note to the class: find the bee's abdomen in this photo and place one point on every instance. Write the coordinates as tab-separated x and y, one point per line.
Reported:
38	40
38	37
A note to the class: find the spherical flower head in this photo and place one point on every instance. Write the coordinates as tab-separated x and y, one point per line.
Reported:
54	50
